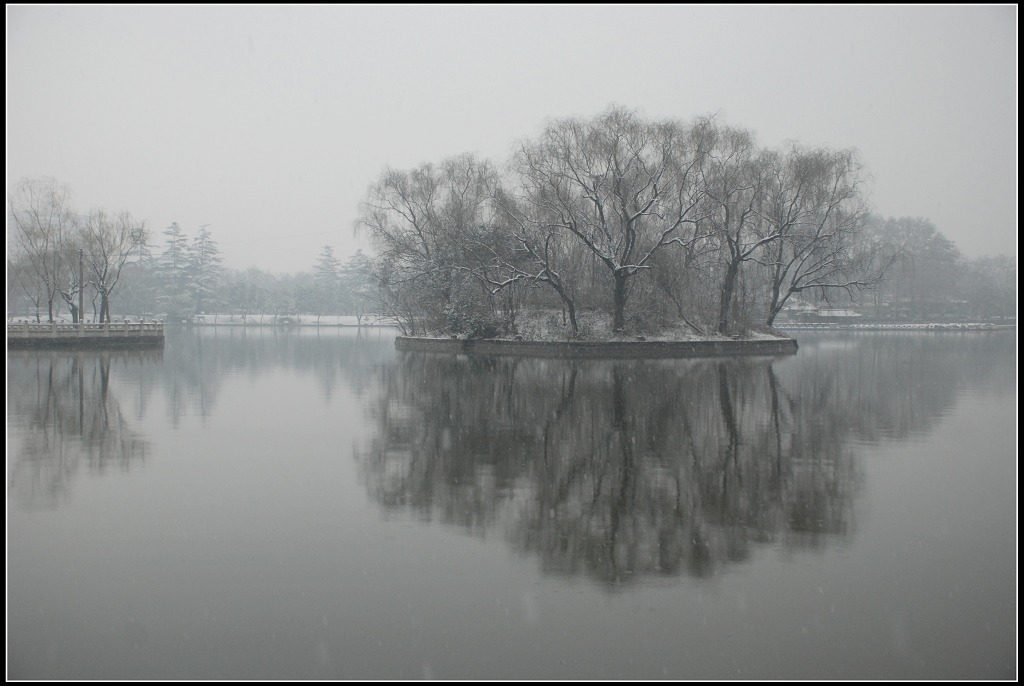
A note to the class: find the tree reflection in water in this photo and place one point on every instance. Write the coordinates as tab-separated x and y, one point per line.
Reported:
73	418
613	469
66	408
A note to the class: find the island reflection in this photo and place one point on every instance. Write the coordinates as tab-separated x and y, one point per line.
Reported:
612	469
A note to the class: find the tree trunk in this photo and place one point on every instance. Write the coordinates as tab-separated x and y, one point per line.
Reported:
572	318
619	319
776	303
728	286
570	304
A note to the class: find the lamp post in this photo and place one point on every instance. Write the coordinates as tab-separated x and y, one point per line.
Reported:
81	289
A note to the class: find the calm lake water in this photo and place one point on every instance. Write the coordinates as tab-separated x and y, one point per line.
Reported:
264	504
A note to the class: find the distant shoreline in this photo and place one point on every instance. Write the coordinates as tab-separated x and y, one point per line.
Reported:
907	326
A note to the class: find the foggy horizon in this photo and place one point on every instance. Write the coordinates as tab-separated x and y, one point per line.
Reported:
269	124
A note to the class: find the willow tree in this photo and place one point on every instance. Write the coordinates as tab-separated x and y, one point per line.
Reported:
813	203
623	187
419	221
735	174
538	254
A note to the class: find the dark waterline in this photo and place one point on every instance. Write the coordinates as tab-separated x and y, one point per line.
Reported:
318	505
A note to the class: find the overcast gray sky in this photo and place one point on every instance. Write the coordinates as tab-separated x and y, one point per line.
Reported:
270	123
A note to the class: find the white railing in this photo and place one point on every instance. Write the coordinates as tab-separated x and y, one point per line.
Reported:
55	330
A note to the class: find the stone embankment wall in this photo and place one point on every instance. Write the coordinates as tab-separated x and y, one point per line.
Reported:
28	336
621	349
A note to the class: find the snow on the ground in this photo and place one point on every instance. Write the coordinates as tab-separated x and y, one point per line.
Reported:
292	320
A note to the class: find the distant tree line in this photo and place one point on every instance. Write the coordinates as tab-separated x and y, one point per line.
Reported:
653	224
930	278
55	254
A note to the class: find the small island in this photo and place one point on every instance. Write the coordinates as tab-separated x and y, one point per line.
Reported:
618	235
544	335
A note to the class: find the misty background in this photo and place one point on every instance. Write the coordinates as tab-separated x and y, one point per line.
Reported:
268	124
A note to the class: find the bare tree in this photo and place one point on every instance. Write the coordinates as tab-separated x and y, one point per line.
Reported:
109	242
419	221
44	225
74	278
813	203
735	174
23	282
623	187
537	256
